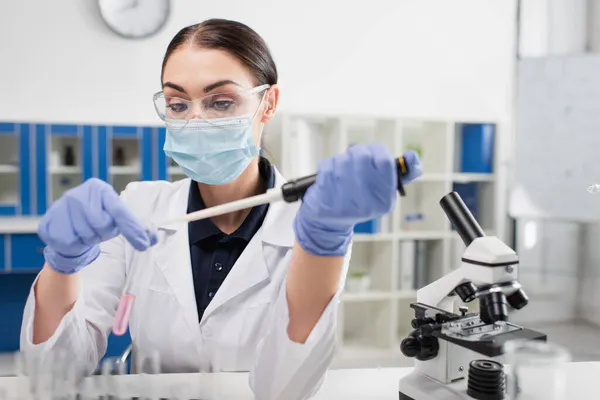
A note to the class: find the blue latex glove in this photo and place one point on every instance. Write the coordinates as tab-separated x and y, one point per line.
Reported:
356	186
85	216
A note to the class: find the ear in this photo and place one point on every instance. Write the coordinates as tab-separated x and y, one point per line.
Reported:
270	104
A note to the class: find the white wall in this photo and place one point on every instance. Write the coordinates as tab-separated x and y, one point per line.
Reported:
550	259
562	268
434	58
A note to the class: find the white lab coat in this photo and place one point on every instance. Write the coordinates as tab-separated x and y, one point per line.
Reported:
243	328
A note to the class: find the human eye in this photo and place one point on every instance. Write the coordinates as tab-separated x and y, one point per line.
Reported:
177	106
220	103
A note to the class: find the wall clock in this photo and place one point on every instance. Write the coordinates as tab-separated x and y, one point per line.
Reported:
135	19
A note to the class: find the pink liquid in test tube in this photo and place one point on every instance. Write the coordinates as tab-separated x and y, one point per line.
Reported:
122	315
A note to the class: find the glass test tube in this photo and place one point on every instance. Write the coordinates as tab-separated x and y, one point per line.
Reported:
64	376
148	368
537	370
110	384
123	312
40	371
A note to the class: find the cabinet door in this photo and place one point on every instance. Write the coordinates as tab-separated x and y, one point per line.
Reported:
2	254
9	169
25	176
26	252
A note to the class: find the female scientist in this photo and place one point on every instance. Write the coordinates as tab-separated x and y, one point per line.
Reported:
255	290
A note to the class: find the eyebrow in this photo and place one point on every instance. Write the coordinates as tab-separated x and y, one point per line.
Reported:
207	89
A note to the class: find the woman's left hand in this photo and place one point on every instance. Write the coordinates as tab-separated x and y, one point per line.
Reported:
353	187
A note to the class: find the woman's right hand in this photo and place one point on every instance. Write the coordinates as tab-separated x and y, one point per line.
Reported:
85	216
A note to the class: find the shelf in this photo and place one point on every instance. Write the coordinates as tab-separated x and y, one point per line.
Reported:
433	177
405	295
175	170
472	177
373	237
423	235
367	296
124	170
8	169
65	170
402	235
19	224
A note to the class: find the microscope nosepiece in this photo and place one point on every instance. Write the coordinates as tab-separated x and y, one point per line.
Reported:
518	299
466	291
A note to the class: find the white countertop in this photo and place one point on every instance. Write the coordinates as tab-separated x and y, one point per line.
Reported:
345	384
19	224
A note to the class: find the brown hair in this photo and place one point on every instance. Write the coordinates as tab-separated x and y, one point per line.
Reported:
232	37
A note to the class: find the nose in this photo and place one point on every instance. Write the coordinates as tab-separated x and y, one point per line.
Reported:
195	111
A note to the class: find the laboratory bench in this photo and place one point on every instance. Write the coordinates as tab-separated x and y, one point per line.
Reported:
368	384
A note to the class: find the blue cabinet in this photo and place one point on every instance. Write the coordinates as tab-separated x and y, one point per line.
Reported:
39	162
26	252
2	253
21	252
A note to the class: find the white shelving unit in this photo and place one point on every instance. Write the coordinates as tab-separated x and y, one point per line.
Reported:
372	322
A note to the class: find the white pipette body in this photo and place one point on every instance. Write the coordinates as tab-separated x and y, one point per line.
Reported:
271	196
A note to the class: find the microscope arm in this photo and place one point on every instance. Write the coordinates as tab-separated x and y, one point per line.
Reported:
436	294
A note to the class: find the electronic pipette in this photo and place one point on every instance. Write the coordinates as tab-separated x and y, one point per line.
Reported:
289	192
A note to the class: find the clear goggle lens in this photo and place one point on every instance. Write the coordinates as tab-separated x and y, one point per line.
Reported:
212	108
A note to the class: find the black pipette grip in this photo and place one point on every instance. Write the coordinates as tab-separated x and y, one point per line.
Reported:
459	215
294	190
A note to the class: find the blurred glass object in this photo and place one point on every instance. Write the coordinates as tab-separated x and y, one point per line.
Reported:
537	370
53	376
21	390
64	378
111	369
148	367
40	373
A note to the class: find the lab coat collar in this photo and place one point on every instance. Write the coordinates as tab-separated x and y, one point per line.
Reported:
173	254
277	225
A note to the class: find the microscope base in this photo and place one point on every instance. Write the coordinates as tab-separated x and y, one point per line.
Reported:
417	386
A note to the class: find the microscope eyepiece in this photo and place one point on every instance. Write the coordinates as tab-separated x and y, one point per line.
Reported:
493	307
518	299
459	215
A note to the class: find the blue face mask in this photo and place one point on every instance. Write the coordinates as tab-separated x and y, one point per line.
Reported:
214	152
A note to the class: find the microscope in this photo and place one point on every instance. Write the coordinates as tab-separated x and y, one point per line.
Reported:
458	353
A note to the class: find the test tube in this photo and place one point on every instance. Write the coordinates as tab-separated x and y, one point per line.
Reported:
122	315
123	312
121	321
40	370
537	370
148	368
64	376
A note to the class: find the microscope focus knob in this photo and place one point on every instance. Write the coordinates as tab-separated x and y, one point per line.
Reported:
429	348
410	347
